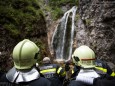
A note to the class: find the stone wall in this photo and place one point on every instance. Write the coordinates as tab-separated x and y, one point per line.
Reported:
96	27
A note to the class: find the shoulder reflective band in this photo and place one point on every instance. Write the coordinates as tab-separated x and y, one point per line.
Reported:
113	74
105	70
102	69
60	68
48	70
72	71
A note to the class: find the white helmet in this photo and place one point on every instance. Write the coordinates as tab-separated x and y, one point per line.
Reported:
25	54
84	56
46	60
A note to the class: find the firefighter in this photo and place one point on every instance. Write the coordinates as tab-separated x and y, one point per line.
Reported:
24	72
87	70
53	72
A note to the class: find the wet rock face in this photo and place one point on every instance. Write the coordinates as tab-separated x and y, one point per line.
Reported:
97	27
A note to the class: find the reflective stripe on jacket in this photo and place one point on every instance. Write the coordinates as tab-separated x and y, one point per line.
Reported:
51	70
101	68
104	67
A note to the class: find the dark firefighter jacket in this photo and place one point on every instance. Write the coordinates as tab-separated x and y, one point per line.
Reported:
102	69
53	72
9	79
108	79
38	82
104	81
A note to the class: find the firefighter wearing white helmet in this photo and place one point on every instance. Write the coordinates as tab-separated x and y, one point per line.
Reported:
85	70
25	56
84	56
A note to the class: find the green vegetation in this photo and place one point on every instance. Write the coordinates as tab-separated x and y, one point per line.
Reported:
55	6
19	19
77	16
57	13
63	2
88	22
42	47
19	15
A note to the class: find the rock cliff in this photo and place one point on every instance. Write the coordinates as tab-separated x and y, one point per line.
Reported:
96	27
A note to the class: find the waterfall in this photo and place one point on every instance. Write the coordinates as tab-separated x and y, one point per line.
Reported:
62	39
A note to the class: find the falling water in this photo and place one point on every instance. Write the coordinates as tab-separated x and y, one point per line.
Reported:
62	39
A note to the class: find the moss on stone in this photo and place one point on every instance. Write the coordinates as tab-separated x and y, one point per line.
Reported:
55	6
18	15
88	22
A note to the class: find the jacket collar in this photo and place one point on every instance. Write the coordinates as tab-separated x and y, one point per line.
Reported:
17	76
